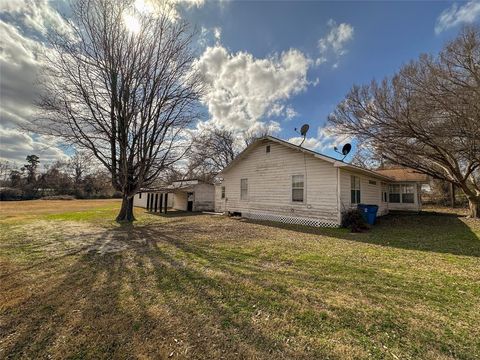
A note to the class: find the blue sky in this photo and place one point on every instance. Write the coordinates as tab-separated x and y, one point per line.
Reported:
270	64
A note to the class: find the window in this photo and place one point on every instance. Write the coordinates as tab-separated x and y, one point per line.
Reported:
371	182
355	189
384	196
267	149
408	194
394	196
243	189
139	195
402	193
297	188
223	192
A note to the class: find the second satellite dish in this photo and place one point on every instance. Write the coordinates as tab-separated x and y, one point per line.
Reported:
346	149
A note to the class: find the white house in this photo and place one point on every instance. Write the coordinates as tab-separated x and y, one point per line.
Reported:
275	180
185	195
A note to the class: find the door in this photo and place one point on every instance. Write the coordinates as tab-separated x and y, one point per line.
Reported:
190	201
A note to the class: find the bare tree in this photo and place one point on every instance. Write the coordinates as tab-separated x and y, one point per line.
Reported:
79	166
211	152
250	136
5	169
120	84
427	117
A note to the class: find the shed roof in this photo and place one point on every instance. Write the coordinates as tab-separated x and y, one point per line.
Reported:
404	174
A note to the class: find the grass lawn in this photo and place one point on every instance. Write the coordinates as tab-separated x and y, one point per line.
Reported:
74	284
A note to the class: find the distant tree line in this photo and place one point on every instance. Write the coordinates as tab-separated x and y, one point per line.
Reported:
77	177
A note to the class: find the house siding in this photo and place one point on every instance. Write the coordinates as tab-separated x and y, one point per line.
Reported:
270	185
204	197
369	194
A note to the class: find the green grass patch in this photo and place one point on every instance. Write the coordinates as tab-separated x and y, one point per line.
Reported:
75	284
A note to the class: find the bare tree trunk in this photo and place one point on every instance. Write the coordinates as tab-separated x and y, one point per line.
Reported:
126	211
452	195
474	205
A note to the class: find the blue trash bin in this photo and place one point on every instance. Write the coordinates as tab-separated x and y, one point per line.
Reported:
369	212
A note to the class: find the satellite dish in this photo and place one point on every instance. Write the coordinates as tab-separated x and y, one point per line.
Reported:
304	129
346	149
303	132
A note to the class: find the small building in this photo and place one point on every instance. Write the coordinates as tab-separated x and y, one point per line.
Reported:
183	195
275	180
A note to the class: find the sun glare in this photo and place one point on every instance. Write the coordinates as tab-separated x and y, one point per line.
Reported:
131	23
145	7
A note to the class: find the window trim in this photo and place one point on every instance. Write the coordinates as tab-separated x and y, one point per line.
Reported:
297	188
242	195
358	191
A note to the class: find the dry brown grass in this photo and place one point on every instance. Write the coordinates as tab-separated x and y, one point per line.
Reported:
209	287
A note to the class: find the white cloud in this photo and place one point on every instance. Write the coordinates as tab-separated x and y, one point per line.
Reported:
37	15
170	8
17	144
217	33
19	70
334	43
209	37
244	90
456	15
290	113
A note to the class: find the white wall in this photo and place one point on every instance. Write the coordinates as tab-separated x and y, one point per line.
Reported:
179	201
369	194
270	184
204	197
142	202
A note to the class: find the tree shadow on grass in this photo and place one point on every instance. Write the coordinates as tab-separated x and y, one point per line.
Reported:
136	300
446	233
154	292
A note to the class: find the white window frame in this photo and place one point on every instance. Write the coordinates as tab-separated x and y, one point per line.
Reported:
358	190
296	187
244	189
401	192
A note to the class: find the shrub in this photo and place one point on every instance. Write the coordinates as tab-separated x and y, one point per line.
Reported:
353	220
10	194
58	197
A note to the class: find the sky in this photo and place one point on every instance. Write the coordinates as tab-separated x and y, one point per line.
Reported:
269	64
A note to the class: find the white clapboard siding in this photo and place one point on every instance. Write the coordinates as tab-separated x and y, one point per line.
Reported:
369	194
270	184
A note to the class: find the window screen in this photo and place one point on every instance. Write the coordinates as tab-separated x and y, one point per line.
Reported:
355	189
297	188
243	189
